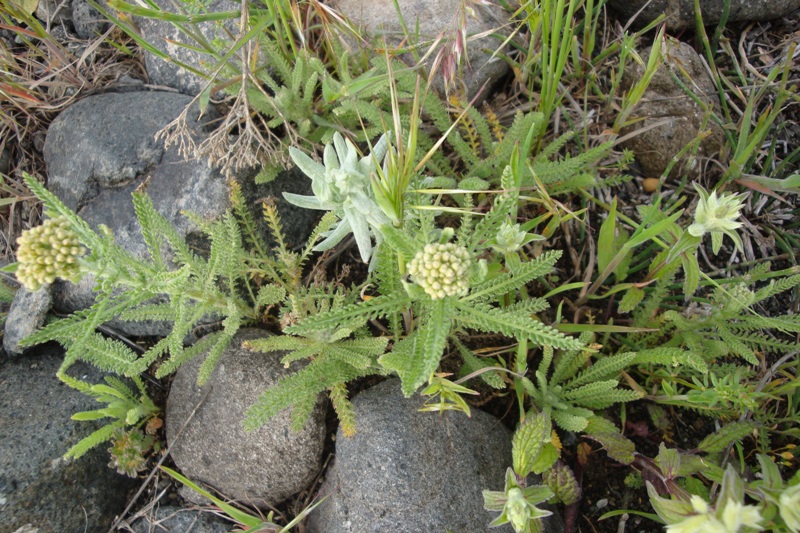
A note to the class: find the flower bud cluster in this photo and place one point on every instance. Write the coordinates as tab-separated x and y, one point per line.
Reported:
48	252
441	270
509	238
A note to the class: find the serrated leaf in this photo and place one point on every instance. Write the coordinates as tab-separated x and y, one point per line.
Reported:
474	184
602	369
269	295
98	437
631	299
509	281
598	424
419	354
473	363
344	410
616	446
400	241
727	435
89	415
275	343
571	421
528	440
485	318
671	357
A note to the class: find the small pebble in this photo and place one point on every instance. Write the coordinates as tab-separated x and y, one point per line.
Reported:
601	503
650	185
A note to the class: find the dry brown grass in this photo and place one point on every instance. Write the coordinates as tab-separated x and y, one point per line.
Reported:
40	76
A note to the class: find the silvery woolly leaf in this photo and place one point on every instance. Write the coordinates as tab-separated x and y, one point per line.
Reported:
334	237
360	231
306	202
310	168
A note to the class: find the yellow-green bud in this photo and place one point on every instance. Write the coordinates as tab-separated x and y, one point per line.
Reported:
509	238
441	270
517	509
47	252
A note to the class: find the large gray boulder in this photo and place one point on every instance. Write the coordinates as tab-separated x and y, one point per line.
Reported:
88	22
665	100
379	18
167	38
38	486
103	148
264	466
407	471
681	13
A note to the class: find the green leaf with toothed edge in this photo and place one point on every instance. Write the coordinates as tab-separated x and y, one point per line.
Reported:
527	443
416	358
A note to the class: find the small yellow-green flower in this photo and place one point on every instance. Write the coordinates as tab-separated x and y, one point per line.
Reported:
789	504
518	505
441	270
717	215
48	252
731	518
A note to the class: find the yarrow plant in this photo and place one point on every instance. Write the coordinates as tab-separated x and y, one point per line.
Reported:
441	270
48	252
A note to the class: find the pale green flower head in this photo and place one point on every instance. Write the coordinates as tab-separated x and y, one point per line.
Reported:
342	185
789	504
441	270
518	505
717	215
509	238
732	517
48	252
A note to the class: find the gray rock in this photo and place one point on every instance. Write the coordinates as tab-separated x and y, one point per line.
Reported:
414	472
103	148
171	519
681	13
27	314
165	37
89	23
665	99
266	465
37	486
54	12
379	18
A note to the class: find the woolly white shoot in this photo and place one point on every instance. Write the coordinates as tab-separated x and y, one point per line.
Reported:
342	185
